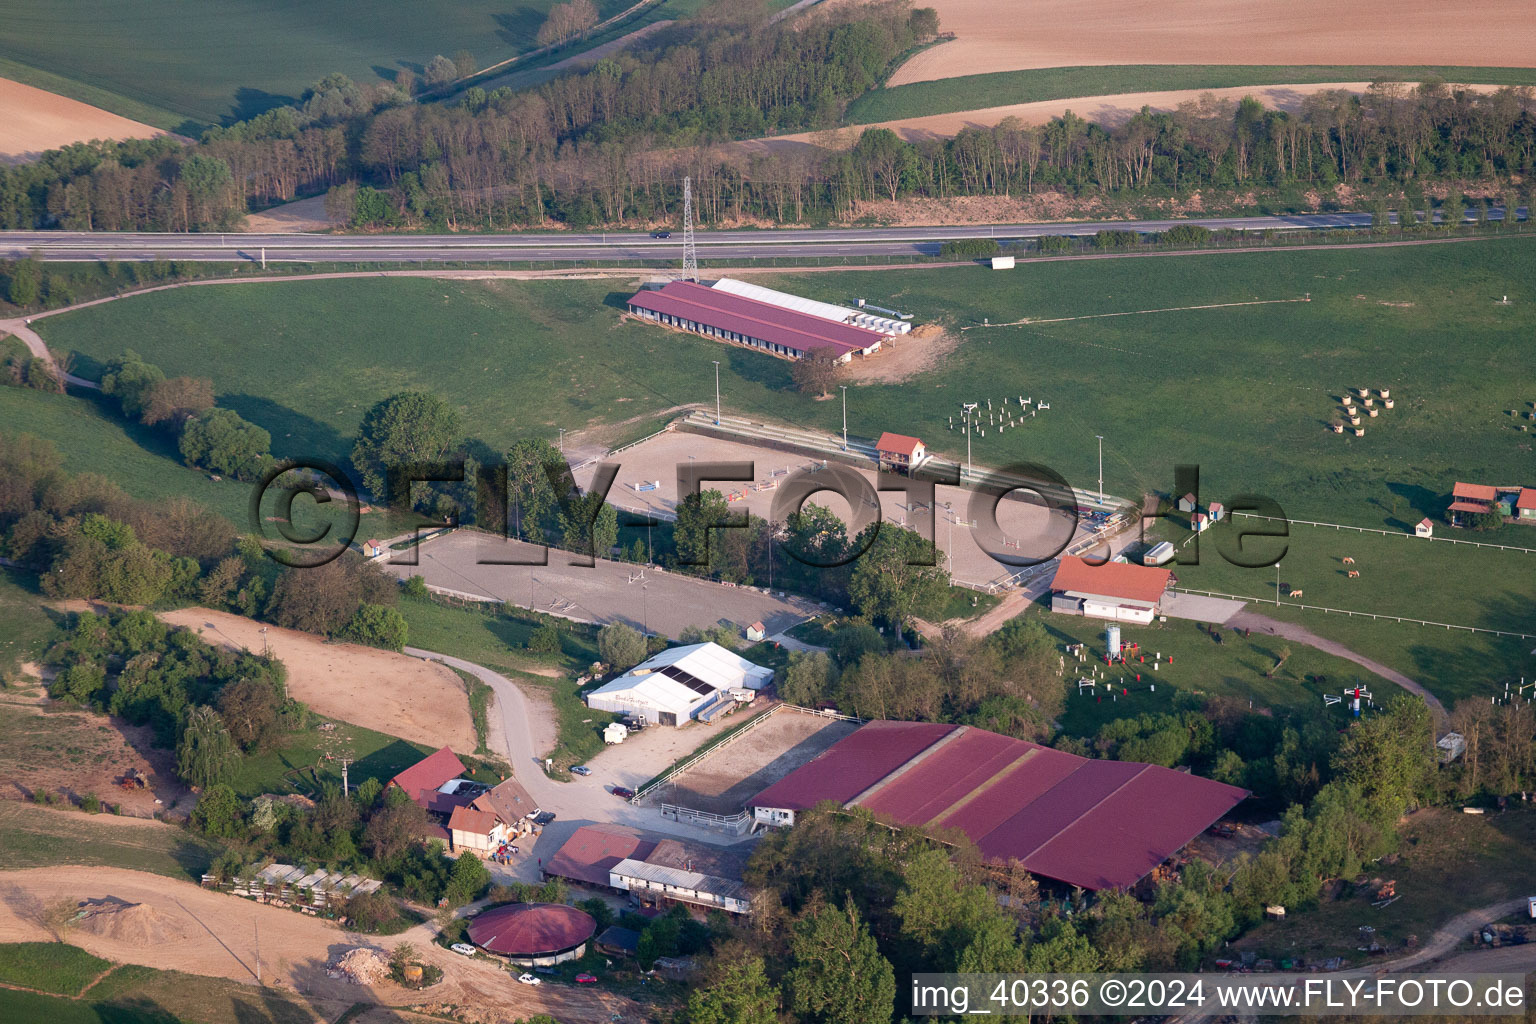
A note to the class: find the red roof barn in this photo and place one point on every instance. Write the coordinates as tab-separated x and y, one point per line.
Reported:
533	932
898	451
1113	590
1097	824
423	778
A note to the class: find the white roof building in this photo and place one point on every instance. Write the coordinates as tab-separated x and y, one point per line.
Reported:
813	307
675	685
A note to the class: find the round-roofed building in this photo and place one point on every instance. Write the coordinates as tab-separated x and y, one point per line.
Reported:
533	934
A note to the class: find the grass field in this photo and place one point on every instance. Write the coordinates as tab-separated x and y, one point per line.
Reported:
1200	667
975	92
300	765
33	836
49	966
25	627
94	438
235	60
132	994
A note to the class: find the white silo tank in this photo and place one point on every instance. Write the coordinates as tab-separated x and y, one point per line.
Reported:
1113	635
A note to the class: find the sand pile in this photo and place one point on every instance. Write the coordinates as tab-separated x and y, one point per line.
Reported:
360	967
136	923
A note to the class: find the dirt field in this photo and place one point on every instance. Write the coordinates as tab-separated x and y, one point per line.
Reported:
300	215
734	773
32	121
75	753
1067	33
381	690
1111	111
213	934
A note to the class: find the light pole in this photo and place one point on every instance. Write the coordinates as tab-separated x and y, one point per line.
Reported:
845	415
717	391
969	408
1101	467
1277	584
562	440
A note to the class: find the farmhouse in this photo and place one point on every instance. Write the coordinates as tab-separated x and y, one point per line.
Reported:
899	452
1081	821
1525	505
680	684
728	317
468	815
1114	590
653	872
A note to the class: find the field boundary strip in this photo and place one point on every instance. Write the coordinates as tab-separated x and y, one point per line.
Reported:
1027	322
1386	533
1263	601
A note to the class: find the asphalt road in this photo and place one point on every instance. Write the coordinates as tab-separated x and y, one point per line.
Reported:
307	248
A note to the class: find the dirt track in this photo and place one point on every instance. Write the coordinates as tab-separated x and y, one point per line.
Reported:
216	935
380	690
32	121
1019	34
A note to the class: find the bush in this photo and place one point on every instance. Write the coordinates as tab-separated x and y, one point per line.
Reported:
544	640
970	248
620	647
220	441
90	803
1187	234
415	587
376	626
1055	243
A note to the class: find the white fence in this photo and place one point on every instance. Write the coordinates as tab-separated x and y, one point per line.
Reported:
1261	601
1388	533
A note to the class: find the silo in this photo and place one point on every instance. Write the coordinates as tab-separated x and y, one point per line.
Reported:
1113	636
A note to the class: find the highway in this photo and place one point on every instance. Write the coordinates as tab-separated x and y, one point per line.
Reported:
85	246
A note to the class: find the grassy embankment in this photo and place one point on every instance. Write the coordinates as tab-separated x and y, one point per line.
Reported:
1003	88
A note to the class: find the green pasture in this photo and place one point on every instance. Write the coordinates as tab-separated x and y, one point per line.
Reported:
49	966
26	628
1194	665
301	764
93	437
152	60
1003	88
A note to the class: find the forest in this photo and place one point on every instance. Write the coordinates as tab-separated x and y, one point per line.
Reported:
611	143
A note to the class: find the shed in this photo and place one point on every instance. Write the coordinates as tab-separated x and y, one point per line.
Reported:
1425	528
1216	510
1189	502
1199	522
899	452
756	632
1525	505
373	548
1451	746
617	941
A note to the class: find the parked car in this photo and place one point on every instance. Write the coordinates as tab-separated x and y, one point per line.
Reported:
463	948
513	849
586	979
661	233
544	817
580	769
528	979
621	791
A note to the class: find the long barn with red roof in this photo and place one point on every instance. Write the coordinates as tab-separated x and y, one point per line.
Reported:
745	321
1091	823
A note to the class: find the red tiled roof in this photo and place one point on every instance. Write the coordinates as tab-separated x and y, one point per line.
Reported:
1470	506
1112	579
898	444
444	803
799	331
593	849
1097	824
1527	498
528	929
508	801
467	819
853	764
1477	492
426	775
